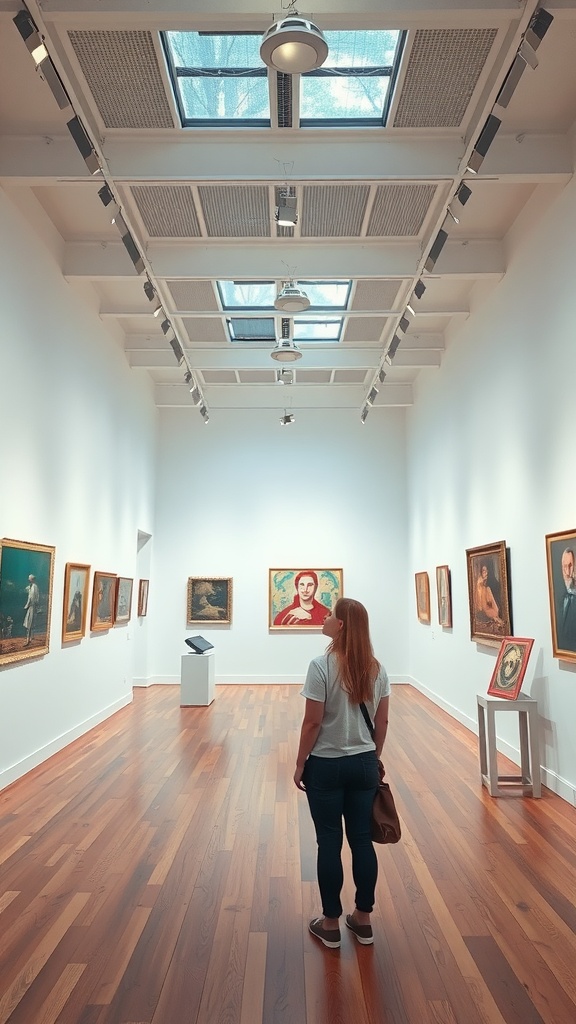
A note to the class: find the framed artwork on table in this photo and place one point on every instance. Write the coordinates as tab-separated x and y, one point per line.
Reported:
302	598
143	597
123	605
26	580
488	593
444	595
422	596
209	599
510	667
76	581
561	561
103	601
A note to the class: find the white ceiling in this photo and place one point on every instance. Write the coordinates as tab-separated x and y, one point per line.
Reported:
199	202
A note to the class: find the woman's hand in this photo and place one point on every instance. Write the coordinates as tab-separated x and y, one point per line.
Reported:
298	778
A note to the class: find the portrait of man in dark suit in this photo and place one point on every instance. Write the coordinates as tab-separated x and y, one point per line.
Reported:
562	580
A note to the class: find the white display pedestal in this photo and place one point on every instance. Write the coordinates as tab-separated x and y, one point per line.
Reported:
197	680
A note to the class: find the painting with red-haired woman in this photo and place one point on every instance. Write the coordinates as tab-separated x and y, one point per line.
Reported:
302	598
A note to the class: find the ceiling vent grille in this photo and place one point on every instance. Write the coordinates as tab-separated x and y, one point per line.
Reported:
443	69
257	376
167	211
364	328
121	69
400	210
219	376
376	294
193	295
314	376
349	376
235	211
284	99
204	328
333	211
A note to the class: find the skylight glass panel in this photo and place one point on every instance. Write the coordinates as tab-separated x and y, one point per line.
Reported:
218	79
252	329
247	294
317	329
334	294
354	84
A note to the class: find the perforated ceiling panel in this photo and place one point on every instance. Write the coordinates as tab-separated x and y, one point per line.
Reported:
257	376
376	294
203	328
167	210
235	211
193	295
122	72
314	376
331	211
443	69
400	209
219	377
349	376
364	328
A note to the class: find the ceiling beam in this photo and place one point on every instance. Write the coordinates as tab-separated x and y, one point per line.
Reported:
236	358
245	158
262	260
270	396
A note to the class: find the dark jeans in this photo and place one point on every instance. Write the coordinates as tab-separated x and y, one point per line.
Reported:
339	787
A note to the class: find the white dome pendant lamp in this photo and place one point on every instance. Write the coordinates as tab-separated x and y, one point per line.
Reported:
293	45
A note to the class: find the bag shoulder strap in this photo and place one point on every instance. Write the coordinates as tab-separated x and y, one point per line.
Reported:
367	718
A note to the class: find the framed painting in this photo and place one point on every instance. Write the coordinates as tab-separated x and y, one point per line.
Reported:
209	599
444	595
302	598
510	667
103	601
143	597
123	605
76	580
422	596
26	579
561	559
488	593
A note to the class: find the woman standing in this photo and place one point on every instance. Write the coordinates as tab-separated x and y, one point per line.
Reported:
337	764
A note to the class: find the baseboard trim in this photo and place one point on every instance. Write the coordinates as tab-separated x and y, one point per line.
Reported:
21	768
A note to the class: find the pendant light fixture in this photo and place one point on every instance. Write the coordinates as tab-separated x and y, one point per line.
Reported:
293	45
292	299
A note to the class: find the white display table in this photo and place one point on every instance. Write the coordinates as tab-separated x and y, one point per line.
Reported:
197	680
528	782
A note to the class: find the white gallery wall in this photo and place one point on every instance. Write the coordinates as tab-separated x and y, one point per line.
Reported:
78	435
491	456
244	494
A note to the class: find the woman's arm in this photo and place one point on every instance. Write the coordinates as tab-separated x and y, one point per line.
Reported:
381	725
313	715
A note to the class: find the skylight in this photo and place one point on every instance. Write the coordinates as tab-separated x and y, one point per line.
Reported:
261	294
327	328
218	79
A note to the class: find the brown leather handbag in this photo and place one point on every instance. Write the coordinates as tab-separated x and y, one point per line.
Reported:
385	820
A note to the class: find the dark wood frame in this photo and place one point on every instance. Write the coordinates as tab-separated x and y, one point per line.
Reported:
444	602
143	588
222	586
483	628
562	621
120	619
422	584
98	624
510	667
75	634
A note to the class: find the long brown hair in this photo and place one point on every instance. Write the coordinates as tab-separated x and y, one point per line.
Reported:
353	648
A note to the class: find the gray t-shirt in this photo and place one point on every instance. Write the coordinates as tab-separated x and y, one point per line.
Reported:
343	730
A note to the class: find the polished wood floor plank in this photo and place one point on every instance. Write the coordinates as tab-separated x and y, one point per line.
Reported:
162	870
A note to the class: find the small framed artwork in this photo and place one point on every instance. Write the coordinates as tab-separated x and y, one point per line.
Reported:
143	597
103	601
561	560
510	667
123	606
302	598
26	579
444	595
488	593
422	596
209	599
76	580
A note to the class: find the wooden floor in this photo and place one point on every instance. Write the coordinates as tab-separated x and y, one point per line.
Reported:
161	870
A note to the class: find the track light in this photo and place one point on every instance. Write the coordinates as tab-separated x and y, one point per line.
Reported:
166	326
284	376
41	57
372	396
410	309
159	309
204	414
403	325
149	291
106	195
364	415
196	396
287	211
538	28
437	246
419	289
82	140
392	348
483	144
293	45
287	418
451	213
177	350
381	374
132	250
292	299
188	378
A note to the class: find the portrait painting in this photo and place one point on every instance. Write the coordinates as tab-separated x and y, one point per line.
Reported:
209	599
302	598
103	601
422	596
76	580
561	560
143	597
510	667
26	579
123	606
488	593
444	596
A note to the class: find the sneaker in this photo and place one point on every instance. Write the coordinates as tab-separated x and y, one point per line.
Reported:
363	932
329	936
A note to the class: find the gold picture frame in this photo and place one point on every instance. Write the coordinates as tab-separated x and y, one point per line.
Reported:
26	581
123	600
422	583
103	601
302	598
209	600
489	593
143	588
75	604
444	596
561	564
